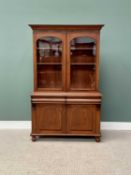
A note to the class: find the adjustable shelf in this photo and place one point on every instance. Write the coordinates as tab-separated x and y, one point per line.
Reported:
83	64
49	64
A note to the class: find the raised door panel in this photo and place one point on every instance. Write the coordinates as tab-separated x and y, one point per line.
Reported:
81	119
49	118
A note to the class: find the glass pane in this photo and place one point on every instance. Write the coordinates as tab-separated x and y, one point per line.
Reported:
82	77
49	63
49	76
49	49
83	50
83	62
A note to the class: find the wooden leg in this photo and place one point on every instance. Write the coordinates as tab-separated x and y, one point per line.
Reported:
97	138
34	138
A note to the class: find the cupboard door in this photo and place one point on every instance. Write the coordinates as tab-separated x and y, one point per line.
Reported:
48	118
81	119
82	61
50	61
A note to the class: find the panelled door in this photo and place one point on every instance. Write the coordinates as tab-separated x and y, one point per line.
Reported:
81	118
48	118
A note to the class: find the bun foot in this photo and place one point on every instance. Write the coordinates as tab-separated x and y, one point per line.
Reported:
34	138
97	139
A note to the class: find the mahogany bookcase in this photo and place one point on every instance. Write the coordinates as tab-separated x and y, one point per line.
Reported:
66	100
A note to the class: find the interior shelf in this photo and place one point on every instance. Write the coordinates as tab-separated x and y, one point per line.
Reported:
83	64
83	48
52	64
49	49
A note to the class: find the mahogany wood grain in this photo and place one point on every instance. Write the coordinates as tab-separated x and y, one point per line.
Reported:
81	118
49	118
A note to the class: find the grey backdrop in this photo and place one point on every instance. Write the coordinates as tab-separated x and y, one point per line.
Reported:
16	67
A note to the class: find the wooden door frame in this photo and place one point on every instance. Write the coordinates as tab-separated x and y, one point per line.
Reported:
37	35
70	36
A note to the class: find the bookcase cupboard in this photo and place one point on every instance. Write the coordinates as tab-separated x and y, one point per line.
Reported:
66	100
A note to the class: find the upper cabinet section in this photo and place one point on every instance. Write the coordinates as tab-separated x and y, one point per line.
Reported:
66	57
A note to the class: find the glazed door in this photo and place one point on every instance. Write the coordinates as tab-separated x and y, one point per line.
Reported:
49	64
82	61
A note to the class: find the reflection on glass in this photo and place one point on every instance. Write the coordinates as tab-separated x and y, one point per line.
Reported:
83	49
82	55
49	49
82	77
49	63
49	76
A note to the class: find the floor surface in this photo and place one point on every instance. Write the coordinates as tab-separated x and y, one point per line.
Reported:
65	156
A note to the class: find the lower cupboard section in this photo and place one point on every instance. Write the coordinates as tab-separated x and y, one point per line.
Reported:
65	119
